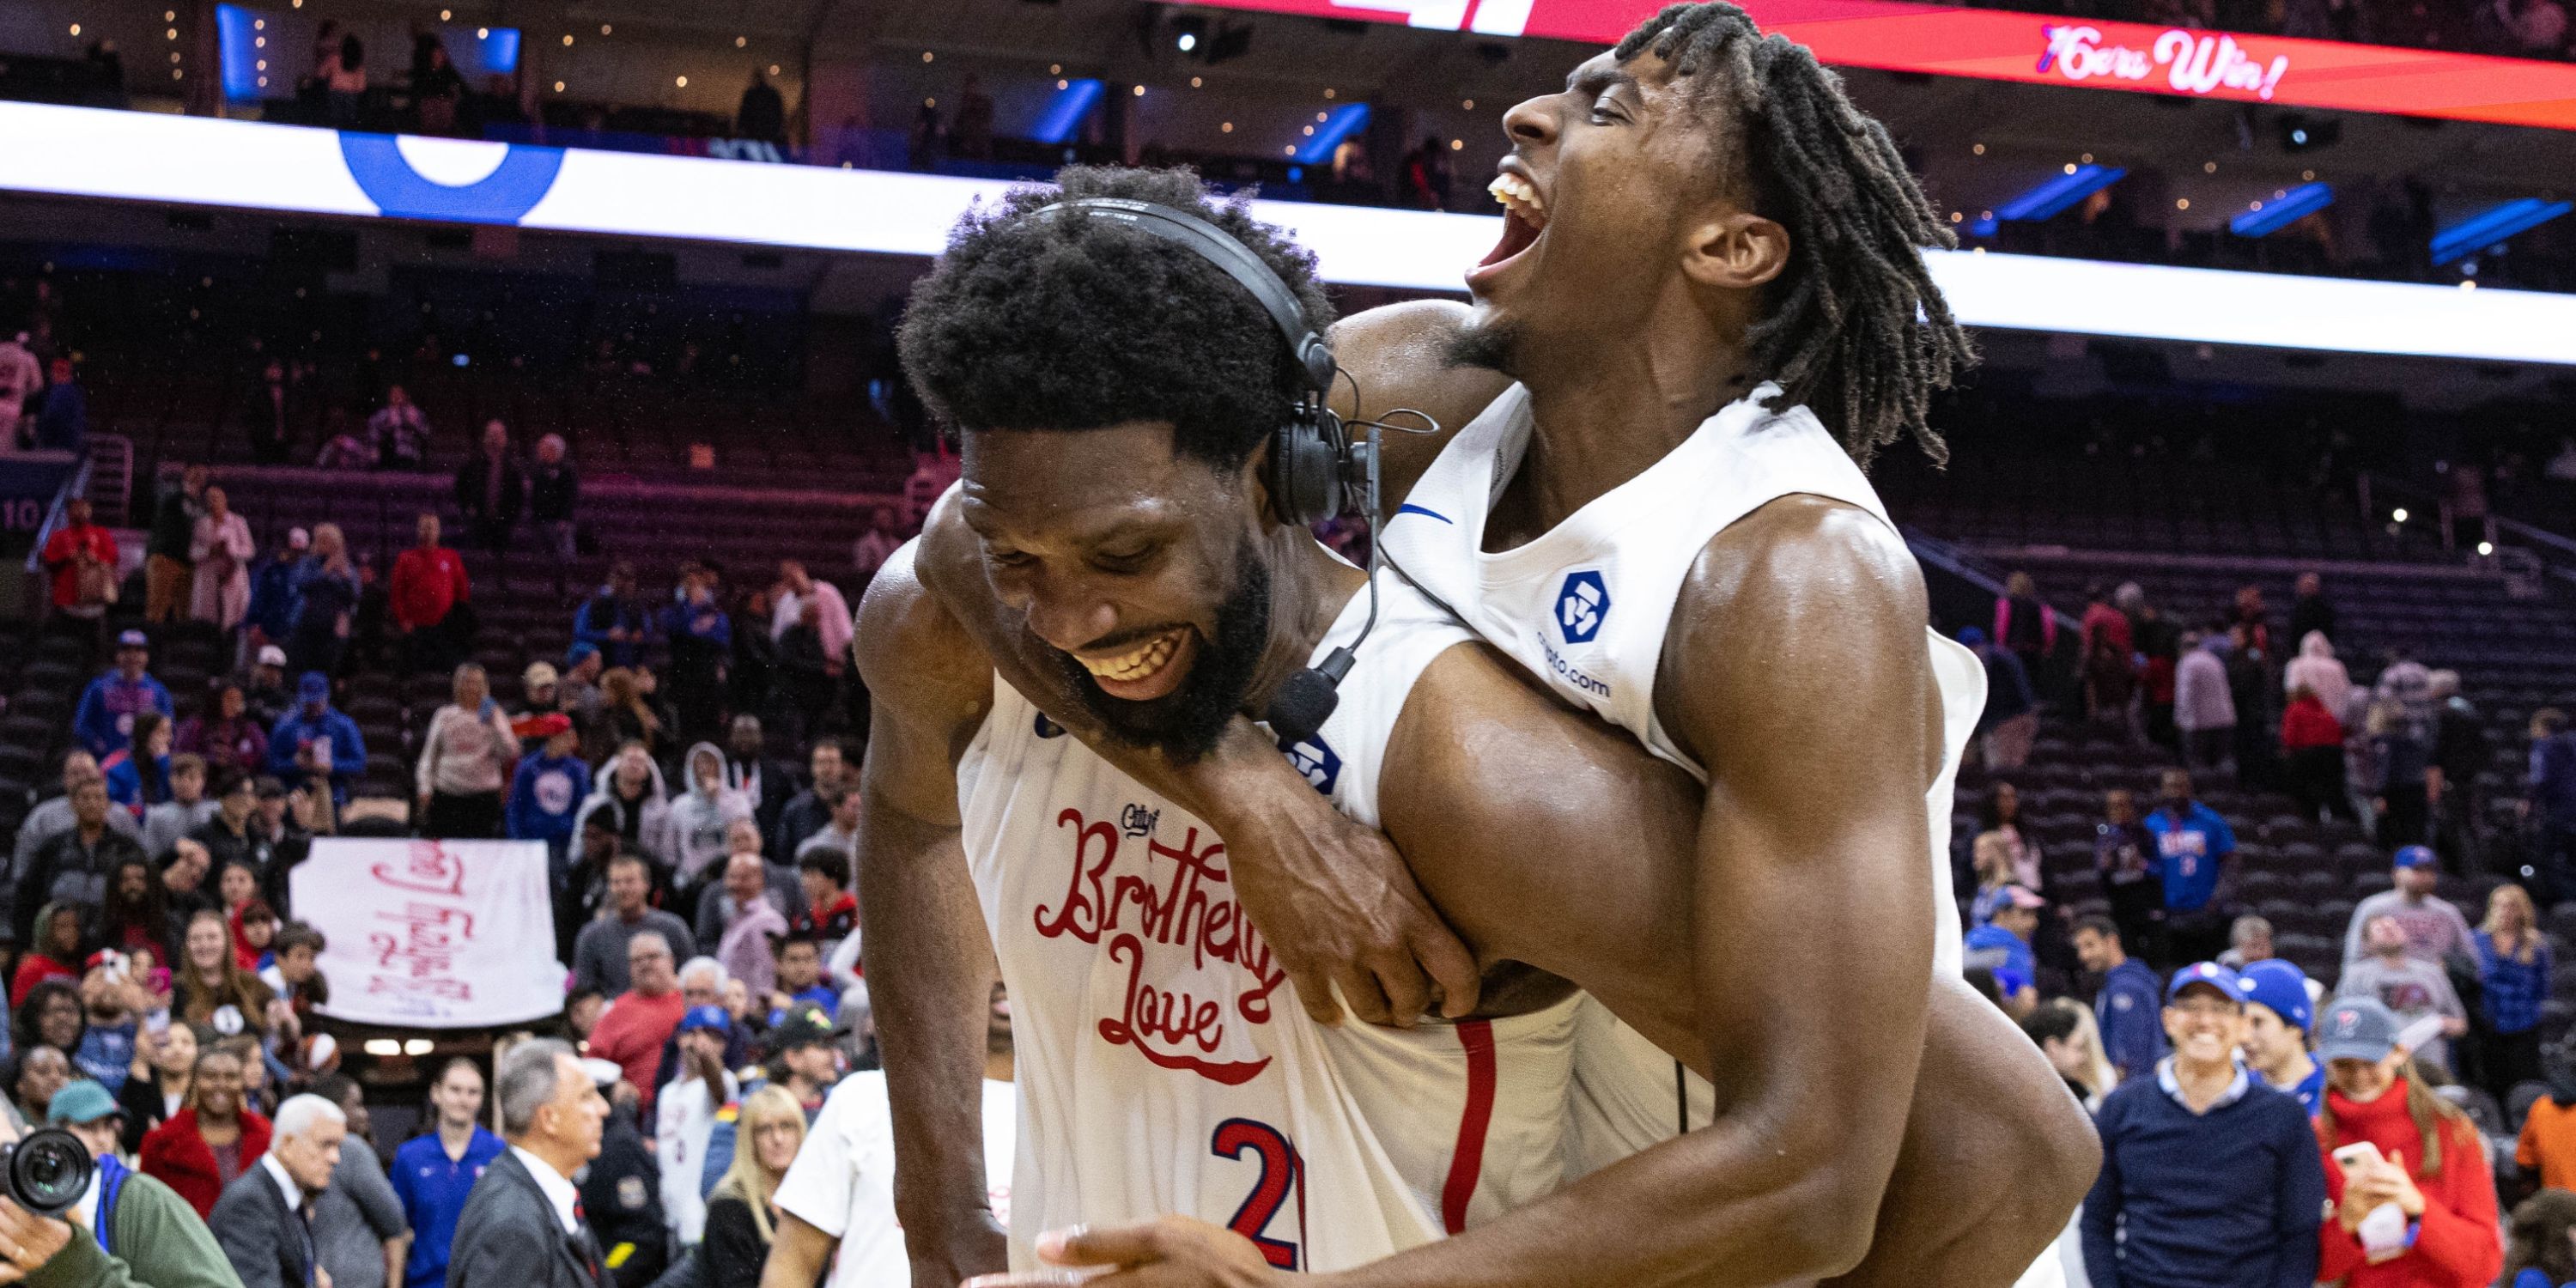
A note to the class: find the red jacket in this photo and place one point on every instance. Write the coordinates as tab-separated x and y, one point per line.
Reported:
175	1155
2307	723
2456	1245
427	584
60	550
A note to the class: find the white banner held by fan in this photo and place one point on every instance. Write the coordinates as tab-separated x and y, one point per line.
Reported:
432	934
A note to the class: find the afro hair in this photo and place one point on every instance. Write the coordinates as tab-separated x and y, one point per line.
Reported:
1072	323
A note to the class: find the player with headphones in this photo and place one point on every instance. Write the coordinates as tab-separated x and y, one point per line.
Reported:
1140	404
1316	472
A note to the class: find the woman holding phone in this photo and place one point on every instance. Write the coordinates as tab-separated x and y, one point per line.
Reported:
2412	1200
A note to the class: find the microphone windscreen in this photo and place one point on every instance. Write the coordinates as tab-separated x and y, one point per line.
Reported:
1304	702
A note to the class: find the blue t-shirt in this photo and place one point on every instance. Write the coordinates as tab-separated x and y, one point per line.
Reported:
817	994
2188	850
107	1054
433	1189
2311	1090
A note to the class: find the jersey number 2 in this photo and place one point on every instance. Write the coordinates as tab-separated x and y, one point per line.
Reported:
1281	1172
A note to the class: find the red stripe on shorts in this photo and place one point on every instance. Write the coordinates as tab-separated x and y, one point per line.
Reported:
1468	1163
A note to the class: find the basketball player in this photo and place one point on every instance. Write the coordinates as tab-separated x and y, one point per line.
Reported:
1164	1063
1673	141
1488	788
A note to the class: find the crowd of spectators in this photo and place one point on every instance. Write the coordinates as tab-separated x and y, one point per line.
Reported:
161	988
2237	1096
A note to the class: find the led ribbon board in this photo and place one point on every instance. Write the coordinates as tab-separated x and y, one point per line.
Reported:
198	161
2039	49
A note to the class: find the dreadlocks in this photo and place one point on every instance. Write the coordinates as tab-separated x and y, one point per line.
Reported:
1856	330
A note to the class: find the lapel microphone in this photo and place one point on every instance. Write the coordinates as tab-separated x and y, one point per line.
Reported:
1308	698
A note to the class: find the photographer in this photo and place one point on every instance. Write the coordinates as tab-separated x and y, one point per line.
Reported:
133	1232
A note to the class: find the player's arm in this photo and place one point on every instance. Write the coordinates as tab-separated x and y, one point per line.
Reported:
1397	356
1332	898
929	957
1810	701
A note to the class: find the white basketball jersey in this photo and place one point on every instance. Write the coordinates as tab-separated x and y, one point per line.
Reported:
1585	606
1164	1062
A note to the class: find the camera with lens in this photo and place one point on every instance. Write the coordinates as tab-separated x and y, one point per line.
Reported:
46	1172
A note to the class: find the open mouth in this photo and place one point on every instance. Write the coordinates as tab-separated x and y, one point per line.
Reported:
1149	668
1524	217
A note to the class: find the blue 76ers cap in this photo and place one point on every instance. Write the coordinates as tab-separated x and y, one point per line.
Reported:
2210	973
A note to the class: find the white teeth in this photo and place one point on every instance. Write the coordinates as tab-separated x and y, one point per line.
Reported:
1138	663
1520	196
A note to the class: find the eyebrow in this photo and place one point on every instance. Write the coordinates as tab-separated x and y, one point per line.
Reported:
1597	80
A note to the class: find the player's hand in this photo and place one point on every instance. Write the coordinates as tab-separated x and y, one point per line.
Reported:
1339	907
1172	1252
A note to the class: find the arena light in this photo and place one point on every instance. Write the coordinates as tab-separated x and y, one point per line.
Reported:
1064	112
1337	125
2061	192
237	56
2494	224
2282	211
204	161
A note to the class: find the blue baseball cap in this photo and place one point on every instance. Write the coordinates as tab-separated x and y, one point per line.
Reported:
314	687
580	652
1971	636
707	1017
2415	856
2282	987
2210	973
133	639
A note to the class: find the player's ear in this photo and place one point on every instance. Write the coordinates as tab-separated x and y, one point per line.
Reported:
1252	479
1735	250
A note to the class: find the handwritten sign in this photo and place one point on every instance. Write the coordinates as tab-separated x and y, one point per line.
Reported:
432	934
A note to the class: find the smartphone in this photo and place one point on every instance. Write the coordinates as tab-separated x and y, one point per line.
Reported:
2359	1154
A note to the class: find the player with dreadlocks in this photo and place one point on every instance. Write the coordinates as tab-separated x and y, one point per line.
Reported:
1707	310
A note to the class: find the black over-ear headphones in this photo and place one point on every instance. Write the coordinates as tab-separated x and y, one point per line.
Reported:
1313	473
1315	470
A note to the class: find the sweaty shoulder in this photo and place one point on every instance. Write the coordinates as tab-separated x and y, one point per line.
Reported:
1805	598
1398	356
918	661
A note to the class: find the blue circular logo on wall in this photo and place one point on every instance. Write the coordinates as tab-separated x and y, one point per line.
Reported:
1582	604
502	197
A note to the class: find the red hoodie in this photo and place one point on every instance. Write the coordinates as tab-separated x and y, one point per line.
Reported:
2307	723
2456	1244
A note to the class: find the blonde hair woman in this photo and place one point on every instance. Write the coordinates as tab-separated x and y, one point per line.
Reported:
2513	969
740	1217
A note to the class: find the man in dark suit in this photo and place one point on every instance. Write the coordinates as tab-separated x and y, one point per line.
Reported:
264	1221
522	1226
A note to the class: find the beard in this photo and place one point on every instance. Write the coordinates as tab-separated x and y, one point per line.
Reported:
1489	347
1185	723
